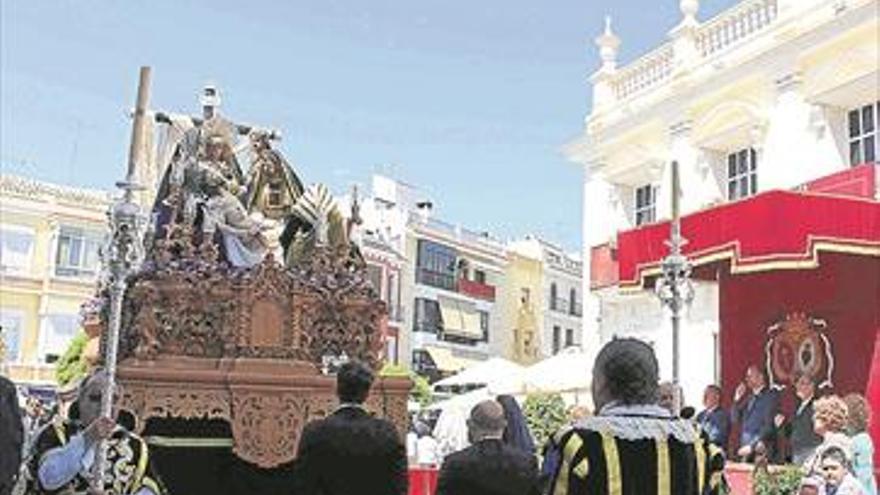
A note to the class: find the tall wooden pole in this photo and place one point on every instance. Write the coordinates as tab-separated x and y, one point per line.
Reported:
137	128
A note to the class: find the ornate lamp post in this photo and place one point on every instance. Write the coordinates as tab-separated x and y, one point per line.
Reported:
674	287
122	256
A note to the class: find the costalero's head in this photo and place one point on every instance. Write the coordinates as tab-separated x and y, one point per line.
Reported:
353	382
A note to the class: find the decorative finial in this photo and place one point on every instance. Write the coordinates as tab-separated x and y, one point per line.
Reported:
608	44
689	9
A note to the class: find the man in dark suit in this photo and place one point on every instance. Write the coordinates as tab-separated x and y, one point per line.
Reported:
754	412
714	420
799	428
489	466
11	435
351	452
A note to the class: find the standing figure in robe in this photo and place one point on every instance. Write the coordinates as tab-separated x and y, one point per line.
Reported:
272	187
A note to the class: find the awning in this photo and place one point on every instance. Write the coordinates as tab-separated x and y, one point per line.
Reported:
776	230
493	371
460	318
569	370
445	360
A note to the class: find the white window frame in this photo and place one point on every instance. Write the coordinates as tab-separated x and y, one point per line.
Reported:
19	315
77	268
25	266
741	170
49	343
862	134
645	204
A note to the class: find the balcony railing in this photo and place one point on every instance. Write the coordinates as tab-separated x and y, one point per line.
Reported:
734	25
476	289
644	72
719	33
436	279
458	233
566	306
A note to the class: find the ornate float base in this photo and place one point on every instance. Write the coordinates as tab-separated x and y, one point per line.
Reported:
266	403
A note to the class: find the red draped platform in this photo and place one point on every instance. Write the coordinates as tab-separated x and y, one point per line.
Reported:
799	281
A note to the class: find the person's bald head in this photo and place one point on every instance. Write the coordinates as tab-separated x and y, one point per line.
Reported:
486	421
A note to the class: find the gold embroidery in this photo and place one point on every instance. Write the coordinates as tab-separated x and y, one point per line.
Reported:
663	473
612	461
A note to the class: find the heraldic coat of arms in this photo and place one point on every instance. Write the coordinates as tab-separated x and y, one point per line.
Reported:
798	345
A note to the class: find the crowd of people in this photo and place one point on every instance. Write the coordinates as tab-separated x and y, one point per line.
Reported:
640	439
827	436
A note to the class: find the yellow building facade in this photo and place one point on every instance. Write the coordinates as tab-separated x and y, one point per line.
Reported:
50	237
523	308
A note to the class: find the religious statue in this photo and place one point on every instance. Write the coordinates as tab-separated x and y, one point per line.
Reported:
205	197
200	191
317	220
273	186
241	236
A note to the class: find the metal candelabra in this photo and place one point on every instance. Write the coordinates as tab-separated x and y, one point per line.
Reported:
121	257
674	287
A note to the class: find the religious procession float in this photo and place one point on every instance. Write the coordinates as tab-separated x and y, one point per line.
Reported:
224	306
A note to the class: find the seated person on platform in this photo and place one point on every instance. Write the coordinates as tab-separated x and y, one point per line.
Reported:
65	451
830	419
350	451
754	412
859	417
836	476
714	420
632	445
799	427
667	398
489	466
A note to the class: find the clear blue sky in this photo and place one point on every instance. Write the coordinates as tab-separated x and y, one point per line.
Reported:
470	99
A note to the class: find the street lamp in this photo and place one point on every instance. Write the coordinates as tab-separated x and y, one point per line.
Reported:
121	258
674	287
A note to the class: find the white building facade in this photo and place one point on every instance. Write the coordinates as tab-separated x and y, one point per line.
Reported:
450	311
769	94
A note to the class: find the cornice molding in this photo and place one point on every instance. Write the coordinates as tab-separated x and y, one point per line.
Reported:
32	189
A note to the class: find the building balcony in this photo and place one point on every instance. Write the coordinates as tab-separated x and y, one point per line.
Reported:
435	279
458	233
708	41
476	289
564	306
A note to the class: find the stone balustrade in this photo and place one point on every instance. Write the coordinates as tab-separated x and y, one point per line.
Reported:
735	25
708	40
644	72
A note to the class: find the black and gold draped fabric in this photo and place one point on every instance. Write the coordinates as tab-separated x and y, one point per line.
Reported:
127	468
634	455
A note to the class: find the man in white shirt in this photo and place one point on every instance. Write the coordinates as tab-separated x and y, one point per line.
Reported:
65	451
